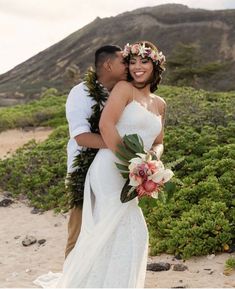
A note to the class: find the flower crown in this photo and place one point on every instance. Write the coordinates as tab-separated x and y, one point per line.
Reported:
143	51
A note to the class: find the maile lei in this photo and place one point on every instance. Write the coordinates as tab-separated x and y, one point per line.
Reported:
75	180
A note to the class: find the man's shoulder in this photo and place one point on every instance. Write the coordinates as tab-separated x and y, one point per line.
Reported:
79	93
81	88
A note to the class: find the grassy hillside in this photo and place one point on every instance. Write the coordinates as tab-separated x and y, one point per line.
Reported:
200	216
47	111
198	44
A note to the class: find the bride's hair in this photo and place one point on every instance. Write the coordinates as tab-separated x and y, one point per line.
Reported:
158	66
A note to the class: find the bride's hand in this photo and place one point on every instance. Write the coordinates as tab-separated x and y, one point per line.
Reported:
157	151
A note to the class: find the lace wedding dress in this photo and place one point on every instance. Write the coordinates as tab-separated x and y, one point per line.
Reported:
112	248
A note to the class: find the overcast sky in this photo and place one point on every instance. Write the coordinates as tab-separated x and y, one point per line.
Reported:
30	26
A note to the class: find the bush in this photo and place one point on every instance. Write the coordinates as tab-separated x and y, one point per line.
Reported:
47	111
38	171
199	218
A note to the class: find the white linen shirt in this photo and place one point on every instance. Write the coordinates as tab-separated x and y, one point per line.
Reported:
78	110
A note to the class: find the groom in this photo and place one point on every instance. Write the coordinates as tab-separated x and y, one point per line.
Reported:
110	68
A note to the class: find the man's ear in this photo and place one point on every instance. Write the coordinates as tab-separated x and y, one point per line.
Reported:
107	65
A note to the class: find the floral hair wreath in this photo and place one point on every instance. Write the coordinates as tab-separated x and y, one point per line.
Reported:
143	51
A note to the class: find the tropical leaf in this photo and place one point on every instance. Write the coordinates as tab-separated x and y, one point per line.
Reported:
122	167
122	158
127	193
132	145
134	142
125	175
125	152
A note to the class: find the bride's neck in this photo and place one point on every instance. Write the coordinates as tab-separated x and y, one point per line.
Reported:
144	89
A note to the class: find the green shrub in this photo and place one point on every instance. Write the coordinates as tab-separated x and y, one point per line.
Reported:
47	111
38	171
199	218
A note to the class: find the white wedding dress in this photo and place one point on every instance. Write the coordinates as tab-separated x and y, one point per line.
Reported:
112	248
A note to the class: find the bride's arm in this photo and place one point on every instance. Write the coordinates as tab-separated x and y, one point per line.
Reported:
118	99
157	147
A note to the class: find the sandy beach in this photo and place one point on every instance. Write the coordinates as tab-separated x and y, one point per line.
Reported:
20	265
12	139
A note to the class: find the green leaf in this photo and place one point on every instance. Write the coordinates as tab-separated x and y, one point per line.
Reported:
122	158
128	155
122	167
125	175
135	142
135	148
127	194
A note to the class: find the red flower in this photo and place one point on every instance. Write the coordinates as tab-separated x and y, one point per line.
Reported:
140	190
149	186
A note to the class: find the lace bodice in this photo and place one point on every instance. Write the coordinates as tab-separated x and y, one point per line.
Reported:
137	119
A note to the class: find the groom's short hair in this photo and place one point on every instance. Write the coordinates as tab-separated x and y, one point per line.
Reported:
105	52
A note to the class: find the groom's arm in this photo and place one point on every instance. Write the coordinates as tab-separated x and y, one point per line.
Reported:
78	111
90	140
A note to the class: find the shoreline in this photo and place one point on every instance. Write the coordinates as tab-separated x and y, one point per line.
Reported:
20	265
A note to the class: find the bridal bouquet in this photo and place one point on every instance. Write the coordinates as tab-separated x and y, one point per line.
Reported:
145	174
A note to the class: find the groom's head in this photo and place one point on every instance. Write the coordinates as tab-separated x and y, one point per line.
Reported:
109	63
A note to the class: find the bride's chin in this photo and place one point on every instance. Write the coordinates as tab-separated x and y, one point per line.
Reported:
139	84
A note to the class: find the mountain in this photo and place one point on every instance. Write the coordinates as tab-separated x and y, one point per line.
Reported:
59	66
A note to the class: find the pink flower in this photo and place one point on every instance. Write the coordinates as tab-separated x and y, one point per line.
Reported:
152	167
142	173
149	186
126	50
135	49
147	176
140	190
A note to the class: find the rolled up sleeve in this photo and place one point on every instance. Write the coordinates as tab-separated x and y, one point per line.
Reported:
78	110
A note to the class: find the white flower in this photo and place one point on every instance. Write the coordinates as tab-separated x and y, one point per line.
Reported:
158	176
133	182
133	163
142	50
142	156
162	175
154	195
168	174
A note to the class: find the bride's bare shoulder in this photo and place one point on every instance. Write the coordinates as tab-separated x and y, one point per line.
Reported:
123	88
123	84
159	100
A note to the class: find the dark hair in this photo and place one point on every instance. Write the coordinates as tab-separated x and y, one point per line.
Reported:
157	70
105	52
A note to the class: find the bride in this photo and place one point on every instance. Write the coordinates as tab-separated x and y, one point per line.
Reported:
112	248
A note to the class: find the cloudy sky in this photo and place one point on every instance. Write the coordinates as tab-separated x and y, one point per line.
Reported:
30	26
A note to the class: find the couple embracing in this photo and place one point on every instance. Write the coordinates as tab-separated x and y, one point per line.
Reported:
108	240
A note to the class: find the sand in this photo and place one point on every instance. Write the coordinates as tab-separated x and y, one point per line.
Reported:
20	265
12	139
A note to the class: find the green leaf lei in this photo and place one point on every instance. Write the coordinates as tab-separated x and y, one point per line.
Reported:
75	180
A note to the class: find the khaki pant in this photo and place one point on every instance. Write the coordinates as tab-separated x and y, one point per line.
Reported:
74	227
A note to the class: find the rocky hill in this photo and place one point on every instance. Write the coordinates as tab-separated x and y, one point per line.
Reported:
213	32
